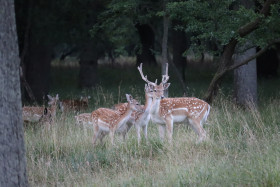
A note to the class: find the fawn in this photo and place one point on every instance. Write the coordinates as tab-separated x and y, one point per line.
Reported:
110	121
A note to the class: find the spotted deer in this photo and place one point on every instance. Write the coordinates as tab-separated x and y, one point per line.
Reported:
41	114
67	105
84	119
140	118
110	121
168	111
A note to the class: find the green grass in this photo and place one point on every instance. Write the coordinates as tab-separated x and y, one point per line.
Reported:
242	148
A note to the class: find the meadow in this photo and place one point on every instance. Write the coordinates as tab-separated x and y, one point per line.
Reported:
242	148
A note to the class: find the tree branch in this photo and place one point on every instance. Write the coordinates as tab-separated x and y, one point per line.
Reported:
234	66
249	27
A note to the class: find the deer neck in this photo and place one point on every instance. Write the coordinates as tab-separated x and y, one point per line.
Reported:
124	118
155	106
148	104
53	110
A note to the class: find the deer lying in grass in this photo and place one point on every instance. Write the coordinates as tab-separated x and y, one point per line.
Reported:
168	111
139	118
110	121
41	114
67	105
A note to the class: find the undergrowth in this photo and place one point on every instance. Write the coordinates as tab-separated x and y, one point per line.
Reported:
242	149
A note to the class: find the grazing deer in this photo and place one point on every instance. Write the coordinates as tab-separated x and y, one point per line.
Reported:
41	114
67	105
167	111
84	119
110	121
139	118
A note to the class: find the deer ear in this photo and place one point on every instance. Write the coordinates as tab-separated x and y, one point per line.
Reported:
49	97
57	96
166	85
151	87
128	97
146	87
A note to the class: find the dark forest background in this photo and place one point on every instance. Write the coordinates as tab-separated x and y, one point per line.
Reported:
204	42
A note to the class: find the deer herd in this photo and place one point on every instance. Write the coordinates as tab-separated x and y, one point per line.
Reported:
165	112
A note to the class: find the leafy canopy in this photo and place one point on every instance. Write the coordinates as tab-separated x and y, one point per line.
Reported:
211	21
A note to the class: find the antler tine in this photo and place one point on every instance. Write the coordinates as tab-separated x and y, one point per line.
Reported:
165	77
142	75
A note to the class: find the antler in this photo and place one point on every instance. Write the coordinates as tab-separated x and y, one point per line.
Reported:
144	77
165	77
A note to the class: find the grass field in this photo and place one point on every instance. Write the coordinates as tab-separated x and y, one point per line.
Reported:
242	148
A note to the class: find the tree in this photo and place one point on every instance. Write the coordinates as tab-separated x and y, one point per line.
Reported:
123	20
245	77
12	151
245	80
35	44
227	27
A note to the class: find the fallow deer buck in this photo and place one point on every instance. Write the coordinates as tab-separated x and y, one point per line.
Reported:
167	111
110	121
140	119
41	114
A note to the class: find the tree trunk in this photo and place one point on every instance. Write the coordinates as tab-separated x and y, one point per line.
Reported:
179	43
12	151
245	80
147	38
164	49
88	67
224	63
37	68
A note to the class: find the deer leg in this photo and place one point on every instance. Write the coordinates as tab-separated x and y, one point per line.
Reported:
138	131
112	134
102	135
195	124
169	128
95	135
145	130
161	130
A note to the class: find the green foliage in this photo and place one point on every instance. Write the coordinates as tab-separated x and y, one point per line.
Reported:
219	22
117	23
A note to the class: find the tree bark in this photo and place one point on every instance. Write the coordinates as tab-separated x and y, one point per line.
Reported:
12	151
245	77
147	38
245	80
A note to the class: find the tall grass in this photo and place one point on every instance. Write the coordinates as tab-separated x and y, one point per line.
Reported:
242	148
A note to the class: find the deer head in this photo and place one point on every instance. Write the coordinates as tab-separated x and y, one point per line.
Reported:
158	90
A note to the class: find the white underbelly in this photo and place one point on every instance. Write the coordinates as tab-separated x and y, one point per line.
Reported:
103	126
180	119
